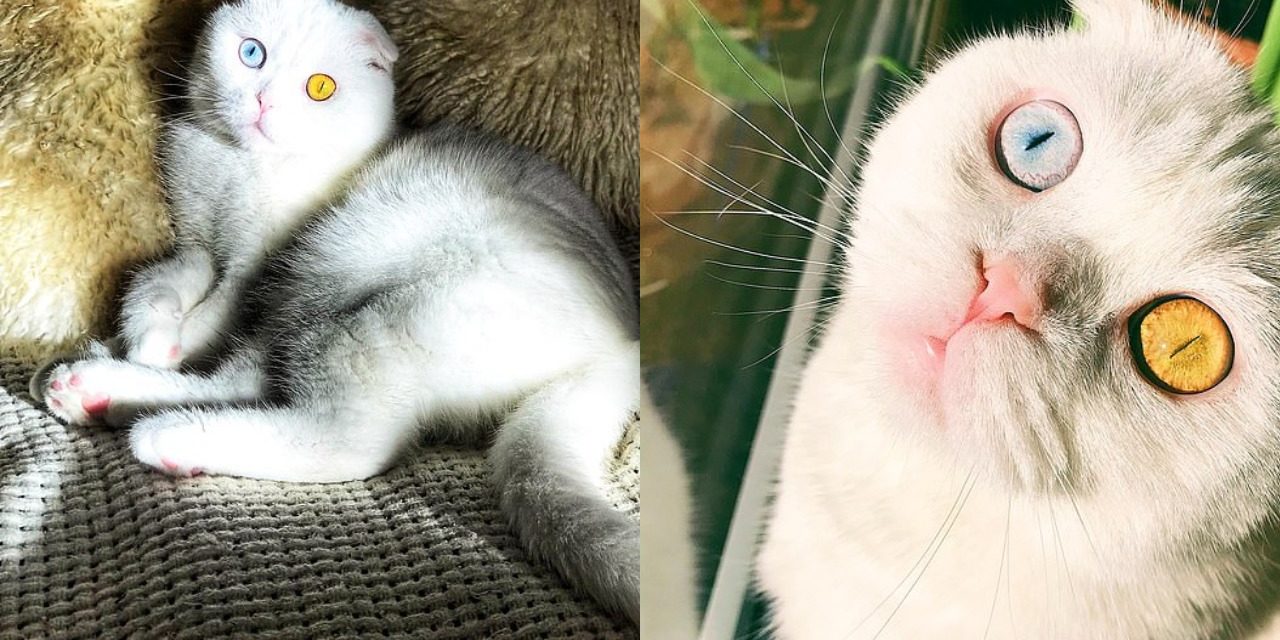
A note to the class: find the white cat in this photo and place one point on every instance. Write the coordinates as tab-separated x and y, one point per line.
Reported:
286	100
453	282
1048	404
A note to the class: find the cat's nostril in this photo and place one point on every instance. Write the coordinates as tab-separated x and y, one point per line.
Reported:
1006	292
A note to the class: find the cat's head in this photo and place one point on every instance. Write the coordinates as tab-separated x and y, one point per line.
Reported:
294	77
1019	214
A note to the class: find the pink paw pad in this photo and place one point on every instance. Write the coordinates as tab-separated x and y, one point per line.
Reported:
95	405
57	385
74	380
174	352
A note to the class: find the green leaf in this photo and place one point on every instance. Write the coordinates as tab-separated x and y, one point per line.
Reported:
728	68
1266	68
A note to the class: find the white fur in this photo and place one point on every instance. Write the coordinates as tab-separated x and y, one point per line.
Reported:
458	283
1099	507
240	188
669	581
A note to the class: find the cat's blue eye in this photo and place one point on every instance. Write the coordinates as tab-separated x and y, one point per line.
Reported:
1038	144
252	53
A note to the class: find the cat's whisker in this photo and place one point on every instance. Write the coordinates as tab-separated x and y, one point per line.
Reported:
724	245
1000	573
805	136
710	96
734	198
1075	506
822	86
845	191
766	287
751	267
942	528
1243	23
786	214
1044	569
1062	561
806	335
166	99
809	141
184	81
1008	581
970	481
818	304
805	224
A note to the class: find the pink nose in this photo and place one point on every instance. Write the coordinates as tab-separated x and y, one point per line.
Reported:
263	106
1006	292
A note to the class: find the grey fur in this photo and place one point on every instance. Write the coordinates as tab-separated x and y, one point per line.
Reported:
453	282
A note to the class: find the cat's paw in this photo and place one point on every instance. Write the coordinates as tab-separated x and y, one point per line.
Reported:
157	341
76	392
171	442
159	351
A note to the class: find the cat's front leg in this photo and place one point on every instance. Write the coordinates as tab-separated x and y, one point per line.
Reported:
114	392
98	391
156	304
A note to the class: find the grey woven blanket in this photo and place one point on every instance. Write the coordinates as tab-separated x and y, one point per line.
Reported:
93	545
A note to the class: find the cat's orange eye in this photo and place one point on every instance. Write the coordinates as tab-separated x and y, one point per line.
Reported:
320	87
1180	344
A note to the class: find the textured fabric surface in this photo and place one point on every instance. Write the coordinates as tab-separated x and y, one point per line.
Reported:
93	545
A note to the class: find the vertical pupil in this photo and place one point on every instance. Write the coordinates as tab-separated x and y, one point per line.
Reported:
1038	140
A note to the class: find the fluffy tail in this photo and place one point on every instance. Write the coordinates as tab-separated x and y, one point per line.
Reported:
549	462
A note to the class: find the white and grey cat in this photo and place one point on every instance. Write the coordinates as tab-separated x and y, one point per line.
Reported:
349	294
976	450
259	152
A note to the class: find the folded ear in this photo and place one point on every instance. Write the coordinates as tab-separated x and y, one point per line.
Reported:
371	35
1154	21
1114	14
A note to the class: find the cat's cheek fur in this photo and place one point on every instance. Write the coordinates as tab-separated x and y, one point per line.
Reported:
1059	489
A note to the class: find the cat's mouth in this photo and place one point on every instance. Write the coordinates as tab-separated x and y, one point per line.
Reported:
1003	298
256	130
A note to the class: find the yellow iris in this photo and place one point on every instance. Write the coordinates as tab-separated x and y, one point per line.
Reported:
320	86
1180	344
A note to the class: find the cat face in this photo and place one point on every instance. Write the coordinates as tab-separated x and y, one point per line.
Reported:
1019	215
290	77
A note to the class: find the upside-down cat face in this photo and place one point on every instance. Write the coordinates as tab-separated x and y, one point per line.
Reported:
293	76
1067	273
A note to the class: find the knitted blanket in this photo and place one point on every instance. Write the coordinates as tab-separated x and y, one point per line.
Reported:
94	545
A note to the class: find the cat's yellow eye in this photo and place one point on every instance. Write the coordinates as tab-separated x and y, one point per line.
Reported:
1180	344
320	86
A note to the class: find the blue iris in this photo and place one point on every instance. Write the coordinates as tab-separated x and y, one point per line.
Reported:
1038	144
252	53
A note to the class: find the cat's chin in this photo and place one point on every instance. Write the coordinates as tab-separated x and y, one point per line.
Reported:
255	139
979	392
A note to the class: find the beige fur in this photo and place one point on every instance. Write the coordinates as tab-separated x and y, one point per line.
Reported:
82	86
78	202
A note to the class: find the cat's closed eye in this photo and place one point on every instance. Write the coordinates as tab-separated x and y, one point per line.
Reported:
1037	144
